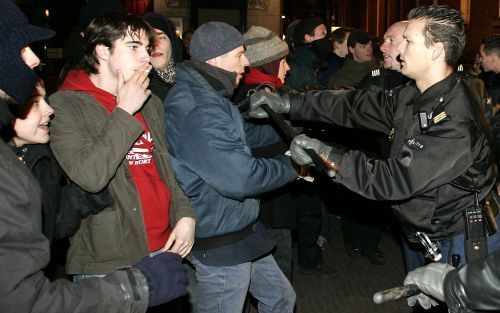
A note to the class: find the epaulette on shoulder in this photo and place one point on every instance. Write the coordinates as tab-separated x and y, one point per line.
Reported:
376	73
462	74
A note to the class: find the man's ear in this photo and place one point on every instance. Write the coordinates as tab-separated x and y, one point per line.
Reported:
350	49
102	52
437	50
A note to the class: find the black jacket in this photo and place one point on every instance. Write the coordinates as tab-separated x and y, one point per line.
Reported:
382	79
474	287
25	252
422	162
44	167
159	87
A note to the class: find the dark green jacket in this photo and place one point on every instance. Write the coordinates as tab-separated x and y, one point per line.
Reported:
91	146
350	73
304	69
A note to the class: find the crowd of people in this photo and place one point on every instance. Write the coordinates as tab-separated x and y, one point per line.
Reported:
157	161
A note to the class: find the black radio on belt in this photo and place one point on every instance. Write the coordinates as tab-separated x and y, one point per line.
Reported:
475	241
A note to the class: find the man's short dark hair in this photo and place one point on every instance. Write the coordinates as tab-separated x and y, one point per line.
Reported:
492	44
105	30
340	34
442	24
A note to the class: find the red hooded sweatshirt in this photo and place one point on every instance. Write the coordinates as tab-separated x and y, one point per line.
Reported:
154	194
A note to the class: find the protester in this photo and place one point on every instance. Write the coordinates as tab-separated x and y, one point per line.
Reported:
210	144
430	186
489	52
358	62
267	53
336	58
24	249
311	46
30	133
165	53
108	133
186	42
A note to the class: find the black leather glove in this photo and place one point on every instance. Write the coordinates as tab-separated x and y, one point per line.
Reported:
165	275
272	99
301	142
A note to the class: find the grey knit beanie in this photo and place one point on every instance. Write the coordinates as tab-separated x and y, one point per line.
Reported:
214	39
263	46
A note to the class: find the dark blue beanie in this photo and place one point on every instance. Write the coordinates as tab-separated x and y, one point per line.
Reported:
214	39
16	78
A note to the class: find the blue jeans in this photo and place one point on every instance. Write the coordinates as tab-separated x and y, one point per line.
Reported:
415	254
283	252
224	288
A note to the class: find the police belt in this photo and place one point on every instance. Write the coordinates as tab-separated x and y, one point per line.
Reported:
222	240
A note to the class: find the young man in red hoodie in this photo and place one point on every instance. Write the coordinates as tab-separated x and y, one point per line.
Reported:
108	132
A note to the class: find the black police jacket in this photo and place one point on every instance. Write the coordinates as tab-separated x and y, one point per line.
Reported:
436	139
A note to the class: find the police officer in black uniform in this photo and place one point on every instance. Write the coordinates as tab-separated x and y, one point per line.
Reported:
440	162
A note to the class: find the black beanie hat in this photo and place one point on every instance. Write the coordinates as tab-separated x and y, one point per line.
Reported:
305	26
214	39
162	23
358	36
17	79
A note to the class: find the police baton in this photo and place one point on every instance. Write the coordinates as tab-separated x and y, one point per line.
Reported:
395	293
290	133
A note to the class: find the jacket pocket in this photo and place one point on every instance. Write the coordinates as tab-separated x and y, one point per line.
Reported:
105	236
417	215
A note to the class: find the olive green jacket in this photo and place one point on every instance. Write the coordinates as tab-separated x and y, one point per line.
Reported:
91	145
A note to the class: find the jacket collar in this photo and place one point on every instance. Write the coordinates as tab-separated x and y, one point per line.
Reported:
435	92
217	78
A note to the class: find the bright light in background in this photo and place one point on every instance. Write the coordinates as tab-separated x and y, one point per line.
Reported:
334	28
47	13
282	16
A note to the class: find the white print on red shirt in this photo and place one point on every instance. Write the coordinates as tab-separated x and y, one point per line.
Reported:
142	151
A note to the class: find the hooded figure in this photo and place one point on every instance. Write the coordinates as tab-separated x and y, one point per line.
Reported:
166	52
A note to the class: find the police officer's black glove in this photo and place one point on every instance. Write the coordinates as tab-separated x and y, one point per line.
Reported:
277	103
165	275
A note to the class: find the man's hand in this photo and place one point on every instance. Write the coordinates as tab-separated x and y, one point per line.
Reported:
302	142
133	93
429	279
272	99
181	239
